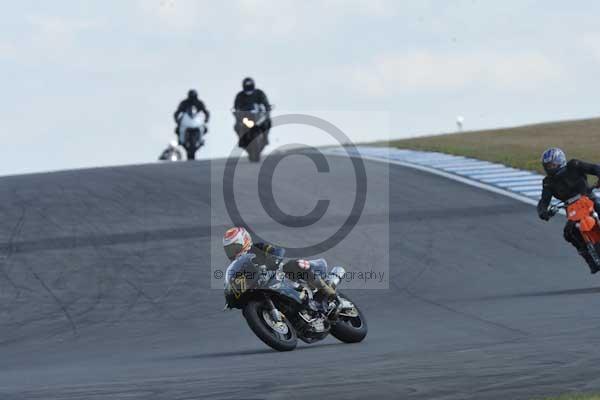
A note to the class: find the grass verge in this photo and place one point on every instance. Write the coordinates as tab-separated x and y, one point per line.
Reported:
520	147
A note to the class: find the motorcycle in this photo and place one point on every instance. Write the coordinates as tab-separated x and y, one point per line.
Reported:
280	311
252	130
580	209
172	153
191	130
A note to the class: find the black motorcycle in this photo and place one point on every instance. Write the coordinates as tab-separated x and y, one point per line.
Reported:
251	127
280	310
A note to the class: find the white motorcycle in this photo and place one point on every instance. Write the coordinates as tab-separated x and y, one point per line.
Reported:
192	128
172	153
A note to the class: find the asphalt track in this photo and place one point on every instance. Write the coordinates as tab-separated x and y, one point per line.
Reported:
105	291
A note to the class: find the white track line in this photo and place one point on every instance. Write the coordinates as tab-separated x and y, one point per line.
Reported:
508	173
525	188
456	178
513	181
486	168
474	180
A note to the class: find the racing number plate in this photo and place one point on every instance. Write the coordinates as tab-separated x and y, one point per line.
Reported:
239	286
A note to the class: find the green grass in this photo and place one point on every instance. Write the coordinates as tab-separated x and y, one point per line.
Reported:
520	147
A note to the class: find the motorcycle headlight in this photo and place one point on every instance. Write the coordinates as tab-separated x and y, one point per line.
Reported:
248	122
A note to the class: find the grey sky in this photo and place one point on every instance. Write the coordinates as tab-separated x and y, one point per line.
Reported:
95	83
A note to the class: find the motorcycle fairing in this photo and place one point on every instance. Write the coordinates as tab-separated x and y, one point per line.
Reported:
580	209
581	212
284	288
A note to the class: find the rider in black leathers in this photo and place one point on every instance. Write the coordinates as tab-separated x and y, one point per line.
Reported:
270	256
238	242
565	180
193	105
249	98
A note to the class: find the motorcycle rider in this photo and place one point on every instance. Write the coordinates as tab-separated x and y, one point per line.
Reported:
564	180
191	104
237	242
252	98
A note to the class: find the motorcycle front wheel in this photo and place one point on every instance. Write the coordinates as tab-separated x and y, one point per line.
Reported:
192	138
254	148
280	336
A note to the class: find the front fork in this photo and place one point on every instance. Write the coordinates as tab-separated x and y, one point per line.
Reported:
273	311
589	244
592	251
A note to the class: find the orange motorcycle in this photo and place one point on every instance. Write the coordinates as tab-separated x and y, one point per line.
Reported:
580	210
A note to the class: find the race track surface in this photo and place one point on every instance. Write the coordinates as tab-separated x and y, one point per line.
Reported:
105	291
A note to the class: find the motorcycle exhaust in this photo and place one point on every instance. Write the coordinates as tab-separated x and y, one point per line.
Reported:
335	276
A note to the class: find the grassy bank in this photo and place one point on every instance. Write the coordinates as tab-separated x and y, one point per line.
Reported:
520	147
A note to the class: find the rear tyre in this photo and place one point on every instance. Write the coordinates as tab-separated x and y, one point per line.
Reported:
254	312
350	329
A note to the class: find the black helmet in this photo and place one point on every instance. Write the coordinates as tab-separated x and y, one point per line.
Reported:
248	84
553	160
192	94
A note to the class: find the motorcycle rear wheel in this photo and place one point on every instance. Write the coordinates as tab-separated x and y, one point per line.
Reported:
350	329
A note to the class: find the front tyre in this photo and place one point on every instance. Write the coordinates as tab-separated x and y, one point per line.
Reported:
191	154
192	138
351	326
254	148
280	337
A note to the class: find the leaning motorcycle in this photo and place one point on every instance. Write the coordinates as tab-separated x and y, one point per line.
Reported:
280	311
251	130
580	209
192	127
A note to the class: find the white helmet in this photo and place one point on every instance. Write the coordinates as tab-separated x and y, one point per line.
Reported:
236	241
174	144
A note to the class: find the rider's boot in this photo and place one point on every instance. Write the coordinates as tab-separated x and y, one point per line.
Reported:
324	291
589	260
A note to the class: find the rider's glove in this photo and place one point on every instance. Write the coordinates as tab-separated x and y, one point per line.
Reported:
545	215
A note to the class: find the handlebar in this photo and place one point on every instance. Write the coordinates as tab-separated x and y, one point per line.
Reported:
554	209
255	110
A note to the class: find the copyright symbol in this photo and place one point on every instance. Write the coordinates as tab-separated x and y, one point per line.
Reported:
266	191
218	274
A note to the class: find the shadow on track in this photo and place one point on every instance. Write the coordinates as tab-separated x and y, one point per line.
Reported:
253	352
567	292
203	231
